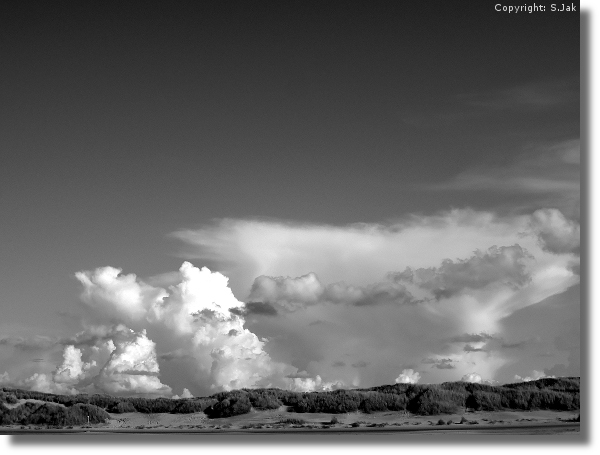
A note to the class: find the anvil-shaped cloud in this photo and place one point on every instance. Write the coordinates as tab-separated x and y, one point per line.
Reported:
428	299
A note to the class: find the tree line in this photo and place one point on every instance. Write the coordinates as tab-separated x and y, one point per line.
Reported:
32	413
422	399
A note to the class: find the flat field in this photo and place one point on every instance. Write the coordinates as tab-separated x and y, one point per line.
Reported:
282	421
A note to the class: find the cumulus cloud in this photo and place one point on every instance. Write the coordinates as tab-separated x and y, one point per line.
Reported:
556	233
123	297
504	266
43	382
197	325
185	394
316	384
198	315
291	294
472	377
383	292
535	375
132	368
408	376
258	308
427	290
287	292
124	365
72	369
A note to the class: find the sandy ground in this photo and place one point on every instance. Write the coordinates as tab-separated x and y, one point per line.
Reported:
273	421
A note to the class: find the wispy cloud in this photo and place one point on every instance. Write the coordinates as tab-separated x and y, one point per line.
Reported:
471	338
440	364
358	254
548	173
35	343
538	95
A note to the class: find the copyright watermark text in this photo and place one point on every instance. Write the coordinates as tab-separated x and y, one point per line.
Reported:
535	8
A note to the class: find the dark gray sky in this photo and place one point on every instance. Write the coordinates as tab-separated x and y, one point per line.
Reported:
123	122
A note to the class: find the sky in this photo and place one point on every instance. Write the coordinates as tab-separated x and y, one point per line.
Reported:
204	196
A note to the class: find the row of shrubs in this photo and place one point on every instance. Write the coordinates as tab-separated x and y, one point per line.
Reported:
447	398
32	413
112	404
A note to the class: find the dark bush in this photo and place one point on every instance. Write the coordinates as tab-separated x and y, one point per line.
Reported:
191	406
236	405
121	407
8	398
293	421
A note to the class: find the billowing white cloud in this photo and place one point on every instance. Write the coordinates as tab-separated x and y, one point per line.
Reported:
319	297
472	377
72	369
535	375
408	376
132	368
194	317
118	296
123	365
43	382
196	323
185	394
315	384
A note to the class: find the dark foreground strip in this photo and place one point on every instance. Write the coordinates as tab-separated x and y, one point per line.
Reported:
521	429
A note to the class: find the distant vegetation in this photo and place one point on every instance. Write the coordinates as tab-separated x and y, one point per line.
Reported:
432	399
52	414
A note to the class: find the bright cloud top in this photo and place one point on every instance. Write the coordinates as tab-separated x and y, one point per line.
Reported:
361	254
193	321
408	377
